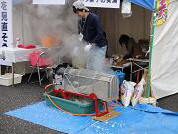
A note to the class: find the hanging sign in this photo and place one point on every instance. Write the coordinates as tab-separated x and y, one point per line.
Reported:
6	23
162	9
49	2
102	3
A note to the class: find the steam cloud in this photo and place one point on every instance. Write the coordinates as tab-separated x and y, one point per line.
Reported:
40	21
55	21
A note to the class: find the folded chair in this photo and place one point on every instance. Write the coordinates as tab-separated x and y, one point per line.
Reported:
40	61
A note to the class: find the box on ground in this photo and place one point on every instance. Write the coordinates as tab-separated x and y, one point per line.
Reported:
6	79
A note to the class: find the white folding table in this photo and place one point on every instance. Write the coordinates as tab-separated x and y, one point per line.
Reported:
10	56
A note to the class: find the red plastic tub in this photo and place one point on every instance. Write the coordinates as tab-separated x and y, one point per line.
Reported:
27	46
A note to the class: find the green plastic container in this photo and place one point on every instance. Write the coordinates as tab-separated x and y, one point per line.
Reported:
72	106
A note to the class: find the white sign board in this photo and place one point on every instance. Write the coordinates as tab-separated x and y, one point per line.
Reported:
102	3
49	2
6	23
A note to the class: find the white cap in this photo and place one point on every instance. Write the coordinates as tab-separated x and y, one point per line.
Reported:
80	5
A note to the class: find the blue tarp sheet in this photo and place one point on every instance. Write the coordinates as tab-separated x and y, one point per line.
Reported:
142	119
148	4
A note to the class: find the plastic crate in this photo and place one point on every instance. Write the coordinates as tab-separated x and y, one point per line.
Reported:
6	79
71	106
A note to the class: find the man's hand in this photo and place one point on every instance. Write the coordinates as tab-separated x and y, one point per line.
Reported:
87	48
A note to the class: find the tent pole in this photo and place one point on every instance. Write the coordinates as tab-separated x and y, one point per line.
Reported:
148	87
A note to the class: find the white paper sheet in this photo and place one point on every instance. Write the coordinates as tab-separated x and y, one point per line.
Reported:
6	32
49	2
102	3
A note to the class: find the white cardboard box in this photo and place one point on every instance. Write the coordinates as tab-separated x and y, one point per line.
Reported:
6	79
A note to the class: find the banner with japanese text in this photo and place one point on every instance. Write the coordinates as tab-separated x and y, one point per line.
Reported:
6	23
49	2
102	3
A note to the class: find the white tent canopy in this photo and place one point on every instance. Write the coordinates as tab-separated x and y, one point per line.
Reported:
164	69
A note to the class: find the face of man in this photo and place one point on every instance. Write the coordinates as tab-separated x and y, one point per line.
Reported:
80	13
